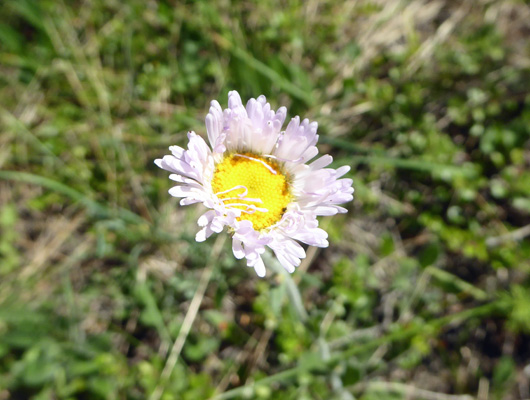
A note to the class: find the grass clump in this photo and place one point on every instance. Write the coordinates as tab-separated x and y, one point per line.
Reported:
424	290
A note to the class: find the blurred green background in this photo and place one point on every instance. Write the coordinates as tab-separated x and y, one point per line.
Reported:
424	291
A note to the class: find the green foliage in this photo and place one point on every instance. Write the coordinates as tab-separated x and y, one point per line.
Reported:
8	250
519	318
425	283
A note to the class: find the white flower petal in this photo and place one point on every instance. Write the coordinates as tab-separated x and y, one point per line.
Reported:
177	151
203	234
237	249
259	267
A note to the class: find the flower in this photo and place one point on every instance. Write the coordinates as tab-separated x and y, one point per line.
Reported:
255	180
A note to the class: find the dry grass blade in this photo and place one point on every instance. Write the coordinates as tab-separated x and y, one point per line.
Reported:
189	318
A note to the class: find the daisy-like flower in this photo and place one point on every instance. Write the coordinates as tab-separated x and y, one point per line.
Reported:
256	181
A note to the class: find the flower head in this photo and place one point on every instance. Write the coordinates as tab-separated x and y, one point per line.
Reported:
256	181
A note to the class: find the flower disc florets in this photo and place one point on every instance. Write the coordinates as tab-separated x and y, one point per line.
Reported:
255	185
255	181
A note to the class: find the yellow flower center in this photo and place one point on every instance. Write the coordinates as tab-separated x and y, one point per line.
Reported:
255	185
